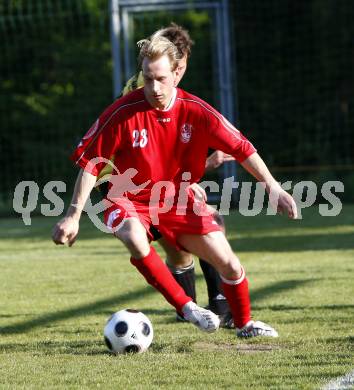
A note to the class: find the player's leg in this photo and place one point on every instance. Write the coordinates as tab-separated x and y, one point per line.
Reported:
181	264
217	301
214	248
134	236
144	257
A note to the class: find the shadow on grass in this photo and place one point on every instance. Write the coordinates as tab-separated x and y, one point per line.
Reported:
276	288
309	307
102	305
291	243
86	347
79	311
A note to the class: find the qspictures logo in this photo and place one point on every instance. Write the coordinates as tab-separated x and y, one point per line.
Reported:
163	195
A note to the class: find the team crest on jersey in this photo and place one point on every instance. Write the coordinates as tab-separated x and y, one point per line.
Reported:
92	130
186	133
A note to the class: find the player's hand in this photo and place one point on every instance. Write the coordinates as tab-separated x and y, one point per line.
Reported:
216	159
283	202
66	231
199	192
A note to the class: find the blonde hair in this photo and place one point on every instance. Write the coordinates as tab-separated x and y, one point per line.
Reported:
156	47
179	36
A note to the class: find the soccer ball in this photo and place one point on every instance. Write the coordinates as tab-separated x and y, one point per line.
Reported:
128	331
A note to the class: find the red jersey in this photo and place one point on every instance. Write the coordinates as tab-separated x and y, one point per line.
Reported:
160	145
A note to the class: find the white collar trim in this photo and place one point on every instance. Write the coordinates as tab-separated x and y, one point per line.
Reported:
172	101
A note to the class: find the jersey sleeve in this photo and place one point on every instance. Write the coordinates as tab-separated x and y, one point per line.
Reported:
99	143
225	137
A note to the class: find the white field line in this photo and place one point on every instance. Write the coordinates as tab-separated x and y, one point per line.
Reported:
345	382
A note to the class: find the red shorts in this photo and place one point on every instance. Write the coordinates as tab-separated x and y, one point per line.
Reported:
169	224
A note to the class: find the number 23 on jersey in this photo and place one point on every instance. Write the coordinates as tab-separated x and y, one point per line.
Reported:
140	138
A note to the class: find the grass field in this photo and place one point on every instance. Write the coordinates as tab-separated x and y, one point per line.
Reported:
55	301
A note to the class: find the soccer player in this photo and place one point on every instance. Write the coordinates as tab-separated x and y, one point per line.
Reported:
181	263
143	130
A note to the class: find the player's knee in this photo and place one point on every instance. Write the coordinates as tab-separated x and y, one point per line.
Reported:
135	239
230	267
138	247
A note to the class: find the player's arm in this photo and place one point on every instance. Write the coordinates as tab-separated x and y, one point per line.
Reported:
199	192
91	155
216	159
66	230
225	137
280	199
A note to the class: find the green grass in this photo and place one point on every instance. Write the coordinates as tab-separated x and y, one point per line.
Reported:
55	301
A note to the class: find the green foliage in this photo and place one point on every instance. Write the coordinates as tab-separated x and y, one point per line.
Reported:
293	68
295	79
56	79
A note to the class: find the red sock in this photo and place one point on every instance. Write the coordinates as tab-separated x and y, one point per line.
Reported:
238	297
157	274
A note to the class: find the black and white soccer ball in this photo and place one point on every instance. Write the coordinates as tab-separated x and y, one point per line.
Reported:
128	331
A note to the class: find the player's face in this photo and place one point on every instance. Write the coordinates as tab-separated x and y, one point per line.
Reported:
181	68
159	81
